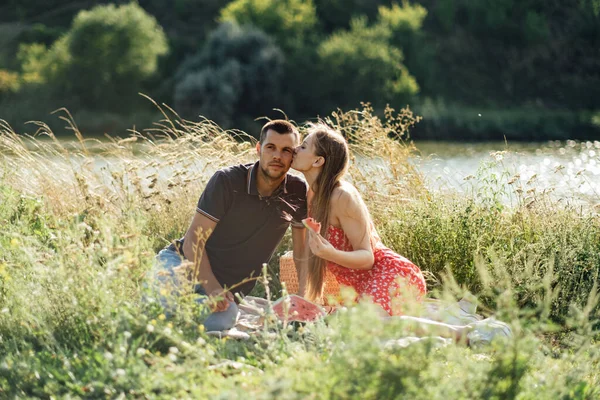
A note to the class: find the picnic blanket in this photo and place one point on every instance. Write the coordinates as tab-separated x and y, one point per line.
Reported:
253	310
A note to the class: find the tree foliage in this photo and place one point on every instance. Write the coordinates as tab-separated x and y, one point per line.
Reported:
540	55
509	52
102	60
290	22
237	73
337	14
114	47
360	64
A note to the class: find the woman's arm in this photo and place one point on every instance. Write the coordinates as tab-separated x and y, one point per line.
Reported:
353	217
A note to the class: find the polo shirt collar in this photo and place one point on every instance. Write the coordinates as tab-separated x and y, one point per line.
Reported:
251	186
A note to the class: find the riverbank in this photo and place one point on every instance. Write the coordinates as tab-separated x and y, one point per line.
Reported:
525	124
439	121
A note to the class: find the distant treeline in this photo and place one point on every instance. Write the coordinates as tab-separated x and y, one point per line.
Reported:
475	70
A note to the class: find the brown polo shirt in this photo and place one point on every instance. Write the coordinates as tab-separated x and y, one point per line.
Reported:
249	226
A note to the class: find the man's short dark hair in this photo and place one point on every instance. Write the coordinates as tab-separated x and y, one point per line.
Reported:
280	126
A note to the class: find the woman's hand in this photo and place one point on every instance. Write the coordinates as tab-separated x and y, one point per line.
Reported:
319	246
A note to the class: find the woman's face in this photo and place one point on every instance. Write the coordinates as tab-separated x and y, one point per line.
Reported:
304	156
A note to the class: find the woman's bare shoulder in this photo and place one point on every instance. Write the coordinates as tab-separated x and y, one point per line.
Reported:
344	194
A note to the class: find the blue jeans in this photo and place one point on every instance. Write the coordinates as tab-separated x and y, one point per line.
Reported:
163	276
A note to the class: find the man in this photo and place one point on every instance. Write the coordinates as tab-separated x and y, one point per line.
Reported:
241	217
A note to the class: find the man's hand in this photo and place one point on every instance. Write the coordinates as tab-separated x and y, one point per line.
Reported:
219	300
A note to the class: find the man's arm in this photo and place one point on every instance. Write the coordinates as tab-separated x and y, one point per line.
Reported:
193	247
300	257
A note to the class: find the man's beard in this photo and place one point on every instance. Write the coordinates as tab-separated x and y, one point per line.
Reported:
273	176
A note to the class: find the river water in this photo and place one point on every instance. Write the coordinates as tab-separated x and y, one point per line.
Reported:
570	169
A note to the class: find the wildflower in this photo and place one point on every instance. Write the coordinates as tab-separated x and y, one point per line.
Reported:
127	334
153	322
162	317
14	242
108	356
170	325
167	331
150	328
173	350
172	357
140	351
120	372
201	341
200	328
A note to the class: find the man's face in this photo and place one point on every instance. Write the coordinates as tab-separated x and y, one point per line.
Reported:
276	153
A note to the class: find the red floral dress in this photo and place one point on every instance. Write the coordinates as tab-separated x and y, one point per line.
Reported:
390	278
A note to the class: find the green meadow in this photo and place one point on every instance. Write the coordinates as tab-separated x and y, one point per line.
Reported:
82	220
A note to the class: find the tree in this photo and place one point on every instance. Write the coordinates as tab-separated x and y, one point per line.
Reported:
405	23
103	59
290	22
337	14
237	74
361	65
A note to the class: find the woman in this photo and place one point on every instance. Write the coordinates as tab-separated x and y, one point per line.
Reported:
348	244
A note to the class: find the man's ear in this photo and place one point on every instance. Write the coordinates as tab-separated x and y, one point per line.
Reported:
258	148
319	162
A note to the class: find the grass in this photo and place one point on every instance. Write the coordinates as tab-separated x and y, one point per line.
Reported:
81	224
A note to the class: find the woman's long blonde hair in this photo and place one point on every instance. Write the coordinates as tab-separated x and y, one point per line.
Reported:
332	146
